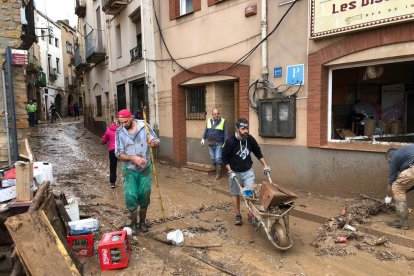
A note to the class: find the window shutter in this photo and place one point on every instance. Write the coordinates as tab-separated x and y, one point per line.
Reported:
196	5
212	2
174	9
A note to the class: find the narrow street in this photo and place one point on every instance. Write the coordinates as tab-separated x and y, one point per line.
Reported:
80	166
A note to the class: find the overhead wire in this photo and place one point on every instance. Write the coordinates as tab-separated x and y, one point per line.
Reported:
236	63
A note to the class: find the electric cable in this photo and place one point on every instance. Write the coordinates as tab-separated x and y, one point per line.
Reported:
235	64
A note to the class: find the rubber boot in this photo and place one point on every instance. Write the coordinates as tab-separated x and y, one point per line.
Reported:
134	223
402	211
142	216
218	171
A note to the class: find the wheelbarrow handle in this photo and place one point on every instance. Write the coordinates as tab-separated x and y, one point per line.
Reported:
268	176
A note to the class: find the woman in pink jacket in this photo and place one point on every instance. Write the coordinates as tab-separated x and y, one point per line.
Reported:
109	138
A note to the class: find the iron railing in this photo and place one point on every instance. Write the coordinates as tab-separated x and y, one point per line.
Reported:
136	53
94	42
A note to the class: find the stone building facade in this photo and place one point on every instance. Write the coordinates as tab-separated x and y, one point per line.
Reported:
17	32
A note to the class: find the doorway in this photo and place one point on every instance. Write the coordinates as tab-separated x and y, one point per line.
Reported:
58	104
138	99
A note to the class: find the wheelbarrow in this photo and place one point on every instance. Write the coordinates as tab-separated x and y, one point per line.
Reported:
270	209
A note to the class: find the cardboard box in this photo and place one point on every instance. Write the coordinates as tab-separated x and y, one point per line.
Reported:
274	195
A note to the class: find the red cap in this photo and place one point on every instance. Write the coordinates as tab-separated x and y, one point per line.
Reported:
124	113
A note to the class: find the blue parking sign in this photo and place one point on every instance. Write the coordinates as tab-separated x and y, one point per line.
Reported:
295	74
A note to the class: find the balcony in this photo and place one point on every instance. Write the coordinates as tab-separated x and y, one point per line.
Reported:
80	61
136	53
95	50
80	8
41	80
28	35
113	7
71	83
53	74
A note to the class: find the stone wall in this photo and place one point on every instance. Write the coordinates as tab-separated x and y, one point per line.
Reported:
10	32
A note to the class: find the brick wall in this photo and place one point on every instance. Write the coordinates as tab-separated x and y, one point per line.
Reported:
317	115
242	72
10	32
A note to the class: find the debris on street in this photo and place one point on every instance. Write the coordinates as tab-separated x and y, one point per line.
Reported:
339	236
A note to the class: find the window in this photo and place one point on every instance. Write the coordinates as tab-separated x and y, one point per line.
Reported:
57	42
69	48
57	65
118	41
42	32
50	40
186	6
182	7
98	106
49	63
121	96
196	103
371	103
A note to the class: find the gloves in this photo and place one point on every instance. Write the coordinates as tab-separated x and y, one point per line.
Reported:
388	200
231	174
266	170
202	142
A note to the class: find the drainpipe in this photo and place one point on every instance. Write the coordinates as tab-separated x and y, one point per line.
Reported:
6	117
12	109
144	55
265	72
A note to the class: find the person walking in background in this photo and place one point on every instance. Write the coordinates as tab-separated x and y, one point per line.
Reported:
76	110
133	148
236	158
109	138
53	112
72	109
400	180
31	109
215	133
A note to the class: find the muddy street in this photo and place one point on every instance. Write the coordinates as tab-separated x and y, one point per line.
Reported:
194	204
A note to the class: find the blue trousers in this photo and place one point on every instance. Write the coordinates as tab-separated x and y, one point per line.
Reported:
215	153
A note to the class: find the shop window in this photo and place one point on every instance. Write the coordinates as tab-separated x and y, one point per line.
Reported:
121	96
196	103
371	103
98	106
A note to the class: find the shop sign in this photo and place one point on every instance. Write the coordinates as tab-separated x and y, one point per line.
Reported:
19	57
330	17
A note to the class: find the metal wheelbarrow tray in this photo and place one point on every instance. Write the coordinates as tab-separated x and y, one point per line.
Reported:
271	210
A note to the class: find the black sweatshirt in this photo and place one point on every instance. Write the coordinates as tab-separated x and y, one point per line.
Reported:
237	153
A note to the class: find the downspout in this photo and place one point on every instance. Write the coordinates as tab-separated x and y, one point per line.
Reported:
6	117
144	54
12	108
265	71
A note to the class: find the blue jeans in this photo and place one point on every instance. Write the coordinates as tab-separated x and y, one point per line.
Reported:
215	153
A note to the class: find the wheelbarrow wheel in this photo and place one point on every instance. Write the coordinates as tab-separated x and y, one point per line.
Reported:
279	235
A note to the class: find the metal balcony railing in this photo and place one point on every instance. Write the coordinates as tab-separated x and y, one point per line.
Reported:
136	53
80	60
95	47
80	8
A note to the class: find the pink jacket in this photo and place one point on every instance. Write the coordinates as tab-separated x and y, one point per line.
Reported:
109	136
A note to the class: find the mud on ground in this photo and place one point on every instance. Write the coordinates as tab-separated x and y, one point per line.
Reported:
204	215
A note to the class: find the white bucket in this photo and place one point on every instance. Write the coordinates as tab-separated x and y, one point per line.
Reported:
73	209
176	236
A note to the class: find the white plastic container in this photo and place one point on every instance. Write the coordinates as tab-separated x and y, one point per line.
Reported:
176	236
42	171
83	226
73	209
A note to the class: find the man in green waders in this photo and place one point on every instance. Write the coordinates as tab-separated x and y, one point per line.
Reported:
132	148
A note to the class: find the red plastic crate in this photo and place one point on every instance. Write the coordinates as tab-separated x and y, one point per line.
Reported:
82	245
113	250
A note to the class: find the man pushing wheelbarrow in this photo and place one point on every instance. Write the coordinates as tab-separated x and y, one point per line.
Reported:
274	204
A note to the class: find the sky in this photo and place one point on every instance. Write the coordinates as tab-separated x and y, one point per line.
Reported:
58	9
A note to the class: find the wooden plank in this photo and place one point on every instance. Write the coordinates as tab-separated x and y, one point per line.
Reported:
24	178
29	150
38	245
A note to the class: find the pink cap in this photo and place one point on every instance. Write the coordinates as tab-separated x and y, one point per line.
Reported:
124	113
